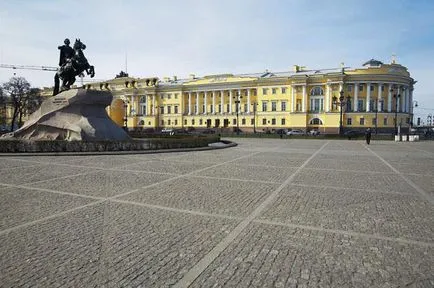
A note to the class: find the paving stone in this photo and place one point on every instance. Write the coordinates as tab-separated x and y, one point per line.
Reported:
249	172
103	183
28	174
168	166
8	163
345	179
113	161
343	164
227	197
276	159
425	182
297	257
18	205
387	214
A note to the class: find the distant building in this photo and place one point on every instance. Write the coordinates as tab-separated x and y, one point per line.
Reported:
302	99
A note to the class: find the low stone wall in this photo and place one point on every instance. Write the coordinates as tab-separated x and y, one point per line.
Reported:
23	146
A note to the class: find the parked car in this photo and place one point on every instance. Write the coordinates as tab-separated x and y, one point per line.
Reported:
352	134
295	132
314	132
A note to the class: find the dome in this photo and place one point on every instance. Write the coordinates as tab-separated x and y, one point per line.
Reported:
373	62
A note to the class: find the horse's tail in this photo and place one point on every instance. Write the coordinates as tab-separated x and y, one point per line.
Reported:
56	84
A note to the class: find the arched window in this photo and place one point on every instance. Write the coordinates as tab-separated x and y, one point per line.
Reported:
143	99
142	122
316	91
315	121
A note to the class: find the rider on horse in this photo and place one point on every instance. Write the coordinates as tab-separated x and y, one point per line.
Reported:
72	62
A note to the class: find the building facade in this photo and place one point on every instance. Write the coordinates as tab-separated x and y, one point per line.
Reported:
375	95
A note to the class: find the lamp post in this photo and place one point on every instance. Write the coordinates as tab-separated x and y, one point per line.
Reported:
341	104
254	116
126	115
376	114
237	106
396	97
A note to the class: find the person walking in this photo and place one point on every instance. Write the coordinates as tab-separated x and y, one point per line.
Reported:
368	135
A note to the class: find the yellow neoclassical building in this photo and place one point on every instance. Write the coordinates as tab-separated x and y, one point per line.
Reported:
373	95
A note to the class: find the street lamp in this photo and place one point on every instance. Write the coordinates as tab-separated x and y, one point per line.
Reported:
254	116
237	106
396	97
341	103
376	114
126	115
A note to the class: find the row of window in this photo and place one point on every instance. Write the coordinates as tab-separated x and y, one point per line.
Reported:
373	121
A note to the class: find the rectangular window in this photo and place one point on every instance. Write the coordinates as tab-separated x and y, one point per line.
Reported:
360	87
168	122
176	95
161	96
264	91
283	90
162	122
227	108
234	121
245	107
282	122
211	108
220	108
203	108
264	106
175	109
169	96
372	88
374	121
385	121
243	121
382	88
161	109
192	121
185	121
273	106
254	92
273	121
252	121
273	91
360	105
264	121
362	121
349	121
349	88
176	122
169	109
200	121
283	105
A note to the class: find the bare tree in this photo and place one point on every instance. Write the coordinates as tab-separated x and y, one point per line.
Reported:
30	103
3	103
17	89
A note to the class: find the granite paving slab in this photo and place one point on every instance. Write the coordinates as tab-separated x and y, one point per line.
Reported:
226	197
372	212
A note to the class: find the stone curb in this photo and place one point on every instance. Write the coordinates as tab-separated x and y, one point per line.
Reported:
221	145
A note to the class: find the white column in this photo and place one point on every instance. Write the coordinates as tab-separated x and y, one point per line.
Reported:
406	99
213	102
303	104
389	98
197	103
379	97
133	109
239	100
368	97
292	98
327	98
222	101
248	100
205	110
189	103
230	101
153	104
356	95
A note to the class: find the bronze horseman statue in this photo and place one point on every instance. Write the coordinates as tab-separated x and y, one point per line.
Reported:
72	63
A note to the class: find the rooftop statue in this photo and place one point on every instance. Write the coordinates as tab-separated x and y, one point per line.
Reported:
72	63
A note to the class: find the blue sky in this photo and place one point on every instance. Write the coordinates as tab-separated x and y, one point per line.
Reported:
166	38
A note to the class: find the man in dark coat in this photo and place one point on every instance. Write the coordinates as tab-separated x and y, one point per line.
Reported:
368	136
66	52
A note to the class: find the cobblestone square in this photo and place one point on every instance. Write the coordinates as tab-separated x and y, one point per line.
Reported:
267	213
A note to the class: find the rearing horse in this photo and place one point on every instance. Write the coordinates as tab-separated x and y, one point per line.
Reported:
72	67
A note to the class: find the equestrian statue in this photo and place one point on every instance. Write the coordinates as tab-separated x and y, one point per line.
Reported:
72	63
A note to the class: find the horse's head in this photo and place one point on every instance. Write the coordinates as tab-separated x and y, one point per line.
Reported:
78	45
